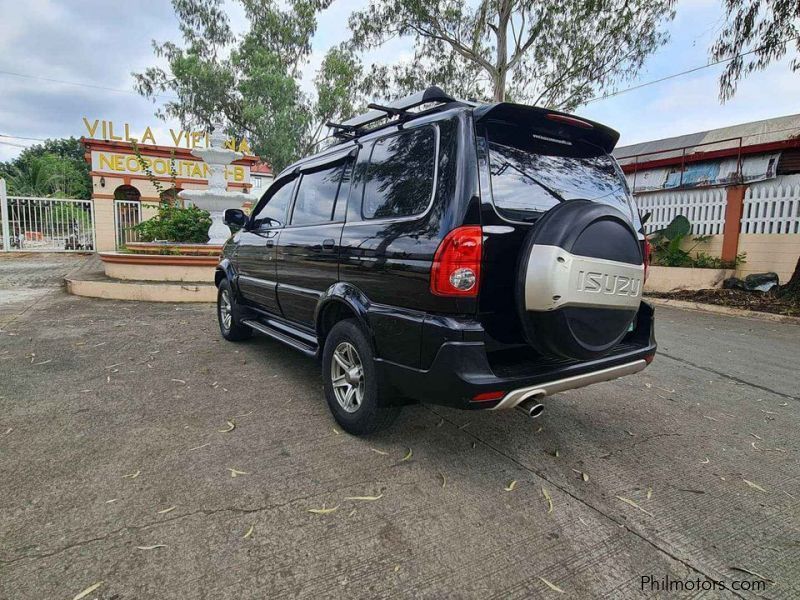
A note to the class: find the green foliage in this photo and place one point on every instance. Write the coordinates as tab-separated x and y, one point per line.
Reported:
176	224
252	82
667	250
768	27
54	169
556	53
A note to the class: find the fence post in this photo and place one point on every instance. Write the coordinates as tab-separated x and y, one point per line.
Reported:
733	218
4	217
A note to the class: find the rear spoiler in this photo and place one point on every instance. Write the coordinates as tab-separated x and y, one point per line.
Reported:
549	123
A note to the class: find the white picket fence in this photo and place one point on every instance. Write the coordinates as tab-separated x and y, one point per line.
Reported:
705	209
771	207
46	224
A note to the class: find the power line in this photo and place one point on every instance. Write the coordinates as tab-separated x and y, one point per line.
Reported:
20	137
674	75
81	84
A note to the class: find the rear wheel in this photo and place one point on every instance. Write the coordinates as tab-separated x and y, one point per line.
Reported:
354	394
229	315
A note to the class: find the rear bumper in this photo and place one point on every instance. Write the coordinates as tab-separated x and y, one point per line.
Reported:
461	372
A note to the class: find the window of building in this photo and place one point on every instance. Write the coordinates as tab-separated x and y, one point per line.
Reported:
400	175
273	213
316	196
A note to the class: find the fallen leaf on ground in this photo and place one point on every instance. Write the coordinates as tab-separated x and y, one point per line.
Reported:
166	510
583	475
465	425
755	486
88	591
153	547
249	532
198	447
381	452
630	502
556	454
408	455
551	585
396	568
511	485
753	573
440	423
336	431
132	475
235	473
705	462
112	500
9	430
323	510
444	479
179	381
365	498
352	512
758	437
231	427
547	497
649	493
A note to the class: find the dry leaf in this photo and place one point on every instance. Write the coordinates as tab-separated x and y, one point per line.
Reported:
365	498
336	431
556	454
153	547
440	423
705	462
179	381
236	473
758	437
649	493
396	568
444	479
547	497
551	585
231	427
323	510
352	512
198	447
381	452
112	500
511	485
166	510
755	486
249	532
583	475
132	475
630	502
88	591
408	455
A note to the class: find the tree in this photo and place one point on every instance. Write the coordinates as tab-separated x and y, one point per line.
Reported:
55	168
765	29
252	82
557	53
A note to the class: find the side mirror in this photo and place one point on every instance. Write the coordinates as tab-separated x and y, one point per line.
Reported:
235	217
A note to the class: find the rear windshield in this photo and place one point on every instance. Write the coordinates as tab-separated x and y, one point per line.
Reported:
531	174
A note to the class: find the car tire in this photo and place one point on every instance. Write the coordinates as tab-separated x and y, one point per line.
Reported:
229	314
355	395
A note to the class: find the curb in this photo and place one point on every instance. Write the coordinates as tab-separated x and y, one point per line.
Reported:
723	310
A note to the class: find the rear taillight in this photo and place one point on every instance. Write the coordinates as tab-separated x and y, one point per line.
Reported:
647	251
456	269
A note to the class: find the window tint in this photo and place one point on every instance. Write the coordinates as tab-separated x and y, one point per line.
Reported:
273	213
399	177
316	196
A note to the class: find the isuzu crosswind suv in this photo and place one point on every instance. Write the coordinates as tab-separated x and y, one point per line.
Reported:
479	256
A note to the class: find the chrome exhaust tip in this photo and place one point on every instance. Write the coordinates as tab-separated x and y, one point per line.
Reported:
531	407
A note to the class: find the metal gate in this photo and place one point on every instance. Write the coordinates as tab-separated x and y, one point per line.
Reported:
46	224
127	214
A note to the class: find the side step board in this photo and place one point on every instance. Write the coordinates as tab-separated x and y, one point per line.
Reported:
305	345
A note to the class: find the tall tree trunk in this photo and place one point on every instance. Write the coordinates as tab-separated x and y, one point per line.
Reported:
501	66
792	287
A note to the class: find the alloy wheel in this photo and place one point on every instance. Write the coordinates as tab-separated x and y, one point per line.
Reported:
347	376
225	310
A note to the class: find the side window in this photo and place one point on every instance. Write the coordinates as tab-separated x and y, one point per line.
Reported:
316	196
273	213
400	175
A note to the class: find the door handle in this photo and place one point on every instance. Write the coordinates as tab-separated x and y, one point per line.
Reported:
328	244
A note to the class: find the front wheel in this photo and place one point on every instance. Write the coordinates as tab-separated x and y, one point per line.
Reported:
228	314
355	396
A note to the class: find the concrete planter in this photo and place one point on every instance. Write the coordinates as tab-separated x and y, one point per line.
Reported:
159	267
174	249
672	279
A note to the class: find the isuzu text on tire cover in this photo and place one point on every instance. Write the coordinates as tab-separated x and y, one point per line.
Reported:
480	256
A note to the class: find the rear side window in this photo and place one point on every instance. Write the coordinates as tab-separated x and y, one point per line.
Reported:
316	196
400	175
531	174
273	213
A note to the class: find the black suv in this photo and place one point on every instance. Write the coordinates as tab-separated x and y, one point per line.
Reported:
480	256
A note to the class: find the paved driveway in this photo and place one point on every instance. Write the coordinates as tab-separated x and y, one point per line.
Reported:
117	466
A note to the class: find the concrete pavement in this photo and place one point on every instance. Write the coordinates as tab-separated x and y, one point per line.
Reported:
117	468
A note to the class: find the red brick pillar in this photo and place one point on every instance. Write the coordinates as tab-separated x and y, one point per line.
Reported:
733	217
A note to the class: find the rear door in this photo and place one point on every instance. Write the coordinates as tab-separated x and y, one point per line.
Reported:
255	257
308	247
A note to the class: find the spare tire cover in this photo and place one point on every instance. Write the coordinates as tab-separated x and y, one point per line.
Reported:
580	278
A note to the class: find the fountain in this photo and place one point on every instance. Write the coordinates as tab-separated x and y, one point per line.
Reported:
216	198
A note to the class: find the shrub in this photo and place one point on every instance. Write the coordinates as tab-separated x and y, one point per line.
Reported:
667	252
176	224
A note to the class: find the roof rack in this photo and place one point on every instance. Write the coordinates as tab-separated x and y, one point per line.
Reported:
396	108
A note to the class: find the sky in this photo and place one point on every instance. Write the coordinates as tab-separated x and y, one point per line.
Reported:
98	43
